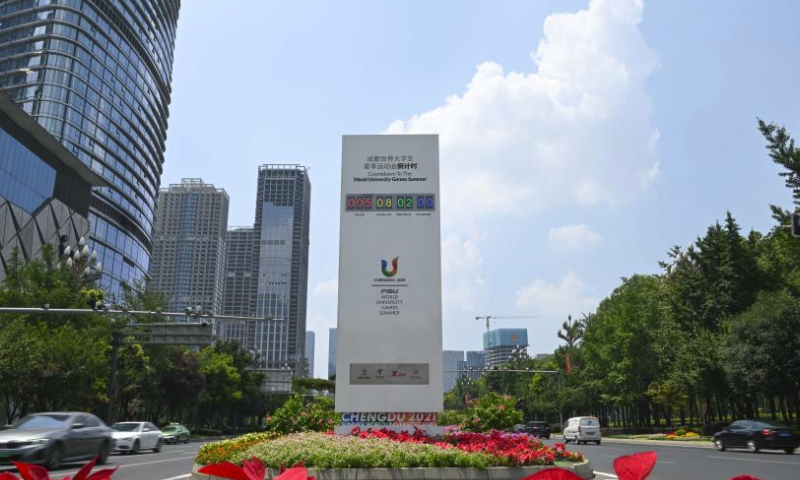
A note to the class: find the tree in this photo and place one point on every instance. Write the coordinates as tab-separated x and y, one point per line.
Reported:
782	151
762	350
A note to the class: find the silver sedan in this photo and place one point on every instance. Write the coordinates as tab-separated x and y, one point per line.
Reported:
131	437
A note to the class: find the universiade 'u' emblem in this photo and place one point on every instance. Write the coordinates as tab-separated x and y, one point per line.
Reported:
386	272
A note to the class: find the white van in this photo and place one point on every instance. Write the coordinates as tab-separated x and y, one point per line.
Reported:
582	430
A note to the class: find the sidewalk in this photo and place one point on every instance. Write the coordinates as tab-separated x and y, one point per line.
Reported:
664	443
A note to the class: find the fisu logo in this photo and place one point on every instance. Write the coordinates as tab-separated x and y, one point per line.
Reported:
386	272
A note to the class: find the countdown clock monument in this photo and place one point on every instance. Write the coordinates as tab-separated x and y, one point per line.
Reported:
389	352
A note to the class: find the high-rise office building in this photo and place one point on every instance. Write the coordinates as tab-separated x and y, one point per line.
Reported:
310	354
96	74
476	362
331	352
451	360
239	287
271	280
44	189
502	344
283	205
188	261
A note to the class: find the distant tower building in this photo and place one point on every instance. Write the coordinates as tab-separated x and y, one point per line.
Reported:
501	343
271	280
331	352
283	205
188	261
310	354
451	360
238	297
476	362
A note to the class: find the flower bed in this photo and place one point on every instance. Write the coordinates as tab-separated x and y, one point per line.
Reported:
227	450
512	449
387	449
323	451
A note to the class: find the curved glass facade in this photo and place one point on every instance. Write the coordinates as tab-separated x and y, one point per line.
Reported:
96	74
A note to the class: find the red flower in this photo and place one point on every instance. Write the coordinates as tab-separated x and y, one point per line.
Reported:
252	470
298	472
34	472
635	467
740	477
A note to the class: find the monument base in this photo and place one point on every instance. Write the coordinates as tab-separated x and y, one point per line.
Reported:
430	430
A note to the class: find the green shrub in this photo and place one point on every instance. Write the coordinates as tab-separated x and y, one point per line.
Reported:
451	417
317	450
492	412
298	416
680	432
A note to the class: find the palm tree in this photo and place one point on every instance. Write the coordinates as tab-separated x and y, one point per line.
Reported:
572	331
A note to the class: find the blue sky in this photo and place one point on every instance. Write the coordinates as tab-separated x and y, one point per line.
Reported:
580	140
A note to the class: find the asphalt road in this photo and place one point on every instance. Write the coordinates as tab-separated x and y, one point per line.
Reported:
174	462
678	463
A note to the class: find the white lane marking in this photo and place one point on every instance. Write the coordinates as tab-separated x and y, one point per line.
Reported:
605	474
753	460
100	467
179	477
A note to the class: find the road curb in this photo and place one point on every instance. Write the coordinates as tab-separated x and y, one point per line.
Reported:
663	443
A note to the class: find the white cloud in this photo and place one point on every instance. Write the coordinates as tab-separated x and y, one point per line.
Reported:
327	288
577	130
572	237
461	281
556	300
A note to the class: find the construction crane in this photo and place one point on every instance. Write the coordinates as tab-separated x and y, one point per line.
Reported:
489	318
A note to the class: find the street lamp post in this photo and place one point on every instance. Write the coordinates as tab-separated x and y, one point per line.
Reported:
85	267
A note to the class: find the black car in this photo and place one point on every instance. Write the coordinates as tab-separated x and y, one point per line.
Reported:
539	429
755	435
51	439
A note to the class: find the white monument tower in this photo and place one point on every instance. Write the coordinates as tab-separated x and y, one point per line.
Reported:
389	362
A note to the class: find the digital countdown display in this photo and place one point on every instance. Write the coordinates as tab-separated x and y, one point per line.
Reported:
396	202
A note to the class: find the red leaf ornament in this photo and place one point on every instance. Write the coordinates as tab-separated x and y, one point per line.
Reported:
635	467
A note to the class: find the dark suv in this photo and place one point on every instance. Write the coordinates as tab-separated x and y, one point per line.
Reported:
539	429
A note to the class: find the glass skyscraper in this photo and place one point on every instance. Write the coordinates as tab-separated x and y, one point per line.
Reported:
270	281
96	74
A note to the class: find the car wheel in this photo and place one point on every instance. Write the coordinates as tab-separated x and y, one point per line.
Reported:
597	442
751	446
102	454
720	446
566	440
789	450
186	440
158	446
135	448
55	457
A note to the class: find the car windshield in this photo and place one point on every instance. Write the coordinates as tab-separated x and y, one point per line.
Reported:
43	421
589	422
538	424
125	427
169	429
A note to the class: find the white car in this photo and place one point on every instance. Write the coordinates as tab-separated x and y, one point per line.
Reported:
132	437
582	430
